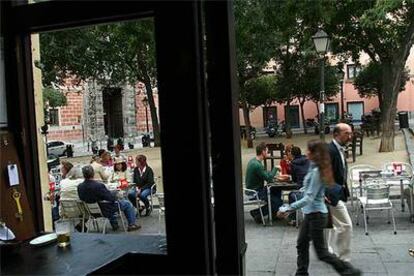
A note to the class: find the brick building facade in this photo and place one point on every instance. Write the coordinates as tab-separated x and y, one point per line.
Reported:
96	113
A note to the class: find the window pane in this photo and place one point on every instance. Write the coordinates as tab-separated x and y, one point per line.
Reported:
98	100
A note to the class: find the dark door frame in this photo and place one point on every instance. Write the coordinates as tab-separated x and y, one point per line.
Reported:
196	246
266	113
337	109
293	106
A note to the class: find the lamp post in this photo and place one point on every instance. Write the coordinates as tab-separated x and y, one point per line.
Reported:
44	131
321	41
341	87
145	103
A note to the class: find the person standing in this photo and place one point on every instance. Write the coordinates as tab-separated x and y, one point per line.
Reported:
319	176
255	177
339	238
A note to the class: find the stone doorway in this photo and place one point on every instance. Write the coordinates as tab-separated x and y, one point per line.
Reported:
112	104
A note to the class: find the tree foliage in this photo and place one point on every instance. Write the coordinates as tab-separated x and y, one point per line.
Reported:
369	81
112	54
53	98
384	30
261	90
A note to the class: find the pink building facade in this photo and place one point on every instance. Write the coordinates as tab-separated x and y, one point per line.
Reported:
353	103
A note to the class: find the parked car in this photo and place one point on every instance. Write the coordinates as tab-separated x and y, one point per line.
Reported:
59	148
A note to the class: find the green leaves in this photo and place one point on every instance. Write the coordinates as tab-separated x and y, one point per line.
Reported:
112	54
53	97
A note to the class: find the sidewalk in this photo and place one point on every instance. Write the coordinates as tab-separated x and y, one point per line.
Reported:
271	250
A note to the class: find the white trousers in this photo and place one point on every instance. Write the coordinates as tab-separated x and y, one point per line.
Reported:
339	238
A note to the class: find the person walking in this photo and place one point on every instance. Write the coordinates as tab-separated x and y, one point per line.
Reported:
319	176
339	238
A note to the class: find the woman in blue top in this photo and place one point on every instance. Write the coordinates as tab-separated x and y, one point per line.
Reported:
316	213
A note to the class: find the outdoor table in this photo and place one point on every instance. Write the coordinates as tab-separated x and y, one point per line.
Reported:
284	186
86	254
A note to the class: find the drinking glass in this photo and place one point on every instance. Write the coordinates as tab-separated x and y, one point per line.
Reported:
62	229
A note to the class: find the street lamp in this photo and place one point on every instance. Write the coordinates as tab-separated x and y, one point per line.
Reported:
341	76
321	41
145	103
44	131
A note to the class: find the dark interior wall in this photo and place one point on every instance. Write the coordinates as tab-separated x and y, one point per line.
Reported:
205	108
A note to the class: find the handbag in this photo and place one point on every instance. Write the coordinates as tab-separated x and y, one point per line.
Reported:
333	194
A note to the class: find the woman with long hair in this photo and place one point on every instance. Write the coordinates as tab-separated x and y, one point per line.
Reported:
319	176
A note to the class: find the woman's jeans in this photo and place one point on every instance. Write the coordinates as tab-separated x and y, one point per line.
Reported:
143	196
312	229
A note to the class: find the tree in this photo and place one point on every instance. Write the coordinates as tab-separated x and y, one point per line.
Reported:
261	90
52	98
307	86
369	82
113	55
254	48
384	30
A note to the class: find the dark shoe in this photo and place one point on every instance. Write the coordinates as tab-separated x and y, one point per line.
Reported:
115	227
134	227
257	218
350	270
148	211
411	252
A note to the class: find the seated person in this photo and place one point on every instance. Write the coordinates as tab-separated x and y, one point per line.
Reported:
71	172
120	170
256	175
105	158
287	158
117	153
299	169
91	191
144	178
100	173
69	191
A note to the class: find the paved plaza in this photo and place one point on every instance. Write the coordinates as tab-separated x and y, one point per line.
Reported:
272	249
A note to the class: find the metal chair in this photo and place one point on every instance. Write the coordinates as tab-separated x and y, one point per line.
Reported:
251	197
376	198
94	214
405	177
150	196
161	209
73	210
354	178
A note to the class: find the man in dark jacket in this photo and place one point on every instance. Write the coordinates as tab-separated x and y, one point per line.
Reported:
342	233
92	191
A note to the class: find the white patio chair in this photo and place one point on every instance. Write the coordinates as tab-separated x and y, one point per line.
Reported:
94	215
354	180
161	209
73	210
251	197
376	197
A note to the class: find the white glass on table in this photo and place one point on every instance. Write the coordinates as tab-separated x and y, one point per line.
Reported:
62	229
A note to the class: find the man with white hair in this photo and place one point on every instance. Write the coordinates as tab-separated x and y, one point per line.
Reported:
339	238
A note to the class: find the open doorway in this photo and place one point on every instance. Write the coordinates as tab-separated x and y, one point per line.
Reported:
113	117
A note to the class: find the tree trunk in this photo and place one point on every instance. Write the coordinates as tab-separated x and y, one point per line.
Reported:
153	110
287	121
390	90
302	103
246	117
317	108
